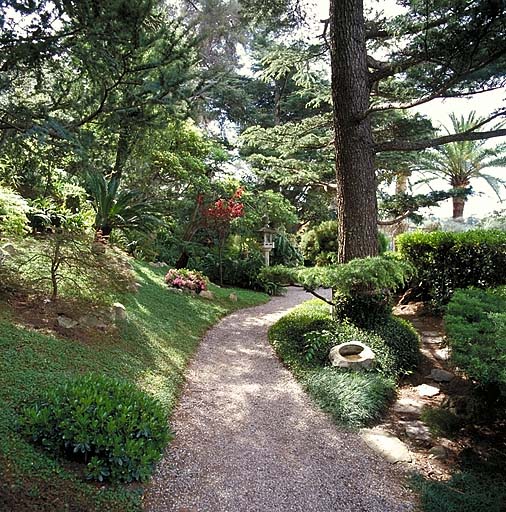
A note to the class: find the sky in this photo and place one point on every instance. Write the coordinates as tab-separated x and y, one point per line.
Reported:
484	201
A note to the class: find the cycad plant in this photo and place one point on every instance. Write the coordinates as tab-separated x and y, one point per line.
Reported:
120	209
459	163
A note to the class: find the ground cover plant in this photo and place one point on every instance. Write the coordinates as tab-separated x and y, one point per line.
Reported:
150	351
303	338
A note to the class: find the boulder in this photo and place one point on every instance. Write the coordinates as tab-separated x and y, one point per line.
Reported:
207	294
386	444
233	297
408	406
118	312
443	354
440	375
438	452
9	249
425	390
66	322
93	321
417	431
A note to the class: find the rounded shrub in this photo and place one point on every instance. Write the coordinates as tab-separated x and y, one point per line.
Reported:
117	430
288	332
395	343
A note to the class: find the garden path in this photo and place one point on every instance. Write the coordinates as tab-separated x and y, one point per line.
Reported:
248	438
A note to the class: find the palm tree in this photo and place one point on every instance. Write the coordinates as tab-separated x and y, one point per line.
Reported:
458	163
121	209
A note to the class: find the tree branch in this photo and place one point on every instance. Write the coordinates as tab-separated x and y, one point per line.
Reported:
406	145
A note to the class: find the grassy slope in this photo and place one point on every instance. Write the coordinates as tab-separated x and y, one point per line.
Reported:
152	350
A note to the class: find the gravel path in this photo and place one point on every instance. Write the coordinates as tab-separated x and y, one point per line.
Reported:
248	439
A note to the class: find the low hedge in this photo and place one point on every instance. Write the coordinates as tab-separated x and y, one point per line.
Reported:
476	327
445	261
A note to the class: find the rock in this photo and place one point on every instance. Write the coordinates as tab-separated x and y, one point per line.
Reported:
153	264
207	294
92	321
425	390
352	354
432	340
233	297
9	249
407	406
443	354
118	312
134	287
417	430
66	322
386	444
438	452
440	375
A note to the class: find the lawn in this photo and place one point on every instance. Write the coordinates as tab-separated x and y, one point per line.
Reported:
151	349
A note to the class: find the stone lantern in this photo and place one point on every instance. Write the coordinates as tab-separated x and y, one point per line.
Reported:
268	241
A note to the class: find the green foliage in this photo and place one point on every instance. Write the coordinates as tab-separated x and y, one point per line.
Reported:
441	422
477	485
285	250
354	399
445	261
476	327
150	350
302	339
319	245
118	430
362	275
239	270
362	309
121	209
394	342
287	334
13	210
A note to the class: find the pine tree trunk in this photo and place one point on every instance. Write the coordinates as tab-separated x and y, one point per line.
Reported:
356	180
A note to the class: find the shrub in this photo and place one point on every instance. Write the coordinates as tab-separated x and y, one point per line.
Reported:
239	270
446	261
13	211
184	279
288	332
353	398
394	342
319	245
476	327
110	425
441	422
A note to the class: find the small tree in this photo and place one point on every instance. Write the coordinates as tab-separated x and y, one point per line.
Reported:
218	218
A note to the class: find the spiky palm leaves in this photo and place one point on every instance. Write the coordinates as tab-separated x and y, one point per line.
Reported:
121	209
459	163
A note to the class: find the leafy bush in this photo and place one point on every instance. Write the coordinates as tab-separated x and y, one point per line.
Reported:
352	398
446	261
394	342
476	327
303	339
319	245
13	210
441	422
110	425
240	270
184	279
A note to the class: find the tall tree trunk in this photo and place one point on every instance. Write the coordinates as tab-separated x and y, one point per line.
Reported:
458	207
356	180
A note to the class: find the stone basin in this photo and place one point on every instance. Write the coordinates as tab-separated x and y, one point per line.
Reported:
352	354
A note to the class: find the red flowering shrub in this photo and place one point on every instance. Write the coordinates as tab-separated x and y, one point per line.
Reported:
185	279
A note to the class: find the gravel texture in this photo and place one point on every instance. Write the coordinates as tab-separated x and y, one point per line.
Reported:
249	439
